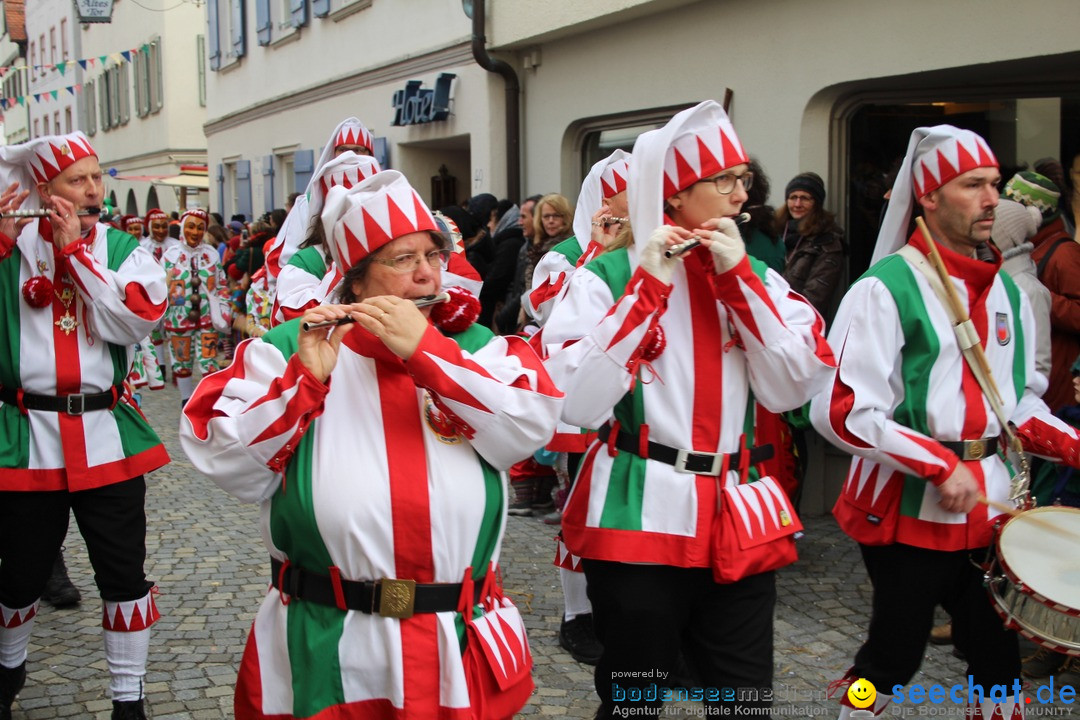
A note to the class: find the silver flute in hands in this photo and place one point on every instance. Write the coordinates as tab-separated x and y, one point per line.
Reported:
44	212
420	302
677	250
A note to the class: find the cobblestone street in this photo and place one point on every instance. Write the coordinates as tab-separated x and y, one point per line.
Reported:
207	558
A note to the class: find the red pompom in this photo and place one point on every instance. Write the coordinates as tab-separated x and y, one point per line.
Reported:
38	291
458	313
655	344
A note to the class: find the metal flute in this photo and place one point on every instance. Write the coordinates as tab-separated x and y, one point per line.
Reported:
420	302
677	250
43	212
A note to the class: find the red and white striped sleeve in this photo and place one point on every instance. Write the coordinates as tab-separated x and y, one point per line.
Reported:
784	336
853	412
123	305
298	291
242	425
549	281
594	344
500	397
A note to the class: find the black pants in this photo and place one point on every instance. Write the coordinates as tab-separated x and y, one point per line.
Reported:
644	615
909	582
112	521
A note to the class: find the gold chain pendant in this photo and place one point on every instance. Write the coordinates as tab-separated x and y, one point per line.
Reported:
67	322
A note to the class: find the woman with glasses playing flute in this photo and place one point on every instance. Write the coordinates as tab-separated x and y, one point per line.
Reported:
660	354
376	449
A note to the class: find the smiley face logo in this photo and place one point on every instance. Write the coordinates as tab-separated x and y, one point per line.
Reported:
862	693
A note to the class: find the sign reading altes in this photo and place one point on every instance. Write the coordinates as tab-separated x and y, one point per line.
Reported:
94	11
415	105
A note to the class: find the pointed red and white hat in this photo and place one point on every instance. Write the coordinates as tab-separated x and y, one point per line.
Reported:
345	170
605	180
52	154
935	156
705	145
353	132
359	220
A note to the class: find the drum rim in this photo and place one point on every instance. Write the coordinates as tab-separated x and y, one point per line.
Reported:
1019	583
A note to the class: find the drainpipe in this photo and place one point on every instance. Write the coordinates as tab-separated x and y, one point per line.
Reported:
513	105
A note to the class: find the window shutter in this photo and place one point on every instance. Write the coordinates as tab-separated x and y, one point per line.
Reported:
263	24
238	45
212	34
243	188
221	191
321	8
268	183
303	168
298	10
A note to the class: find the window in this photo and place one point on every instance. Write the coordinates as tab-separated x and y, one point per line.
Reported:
37	128
67	120
64	40
33	66
147	62
52	45
56	123
41	52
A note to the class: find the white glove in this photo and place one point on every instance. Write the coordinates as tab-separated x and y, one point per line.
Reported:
652	255
727	245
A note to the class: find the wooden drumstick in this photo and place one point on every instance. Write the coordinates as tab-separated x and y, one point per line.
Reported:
1034	519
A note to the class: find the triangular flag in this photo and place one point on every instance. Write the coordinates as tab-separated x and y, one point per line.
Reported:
37	97
126	54
103	58
21	99
145	48
82	64
54	93
62	67
78	87
3	103
115	57
70	89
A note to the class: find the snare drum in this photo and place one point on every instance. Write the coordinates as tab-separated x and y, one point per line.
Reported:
1034	577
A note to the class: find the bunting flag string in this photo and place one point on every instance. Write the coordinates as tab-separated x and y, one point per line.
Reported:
118	58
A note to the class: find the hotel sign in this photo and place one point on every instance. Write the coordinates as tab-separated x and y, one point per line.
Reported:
415	105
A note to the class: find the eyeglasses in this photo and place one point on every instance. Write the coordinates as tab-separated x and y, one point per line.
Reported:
551	216
804	199
436	259
725	184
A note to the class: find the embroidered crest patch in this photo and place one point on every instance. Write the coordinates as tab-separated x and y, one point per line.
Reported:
1002	329
440	424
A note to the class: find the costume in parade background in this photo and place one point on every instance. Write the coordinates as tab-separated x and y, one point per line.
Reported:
392	469
673	364
298	289
198	307
606	179
70	319
157	249
901	389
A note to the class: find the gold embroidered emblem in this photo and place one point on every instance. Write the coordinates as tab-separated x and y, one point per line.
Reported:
785	519
397	598
67	322
65	150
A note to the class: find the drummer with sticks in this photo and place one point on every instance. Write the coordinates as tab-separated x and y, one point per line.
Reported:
922	406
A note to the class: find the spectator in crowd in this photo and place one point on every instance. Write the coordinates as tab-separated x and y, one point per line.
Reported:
759	233
1057	263
814	242
509	239
553	222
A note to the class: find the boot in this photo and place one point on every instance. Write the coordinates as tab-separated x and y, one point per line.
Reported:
128	710
11	682
524	493
59	592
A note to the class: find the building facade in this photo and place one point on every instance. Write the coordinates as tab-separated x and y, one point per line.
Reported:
15	79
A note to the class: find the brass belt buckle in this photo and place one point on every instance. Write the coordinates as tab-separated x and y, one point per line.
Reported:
974	449
396	599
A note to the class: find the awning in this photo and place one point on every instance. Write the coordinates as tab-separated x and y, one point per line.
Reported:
139	178
183	180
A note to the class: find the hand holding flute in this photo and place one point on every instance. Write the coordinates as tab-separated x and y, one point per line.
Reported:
10	200
693	242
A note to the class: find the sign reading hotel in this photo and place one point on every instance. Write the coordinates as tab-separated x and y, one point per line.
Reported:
94	11
416	105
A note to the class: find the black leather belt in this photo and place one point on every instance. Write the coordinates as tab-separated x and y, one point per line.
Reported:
973	449
694	463
74	404
386	597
